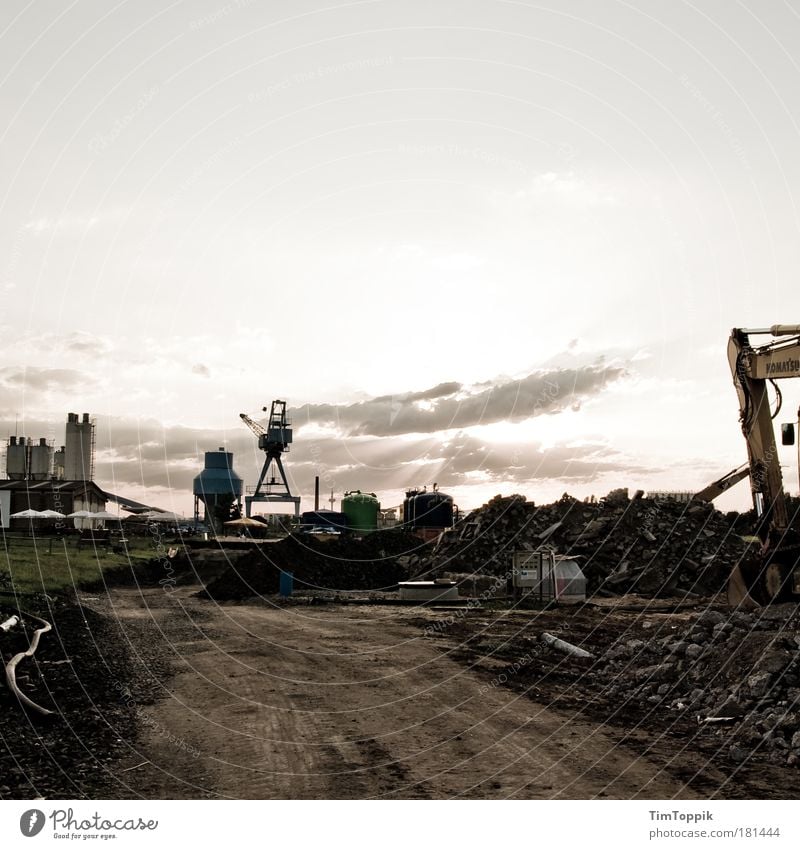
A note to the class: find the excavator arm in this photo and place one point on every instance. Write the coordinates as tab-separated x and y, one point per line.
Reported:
715	489
753	367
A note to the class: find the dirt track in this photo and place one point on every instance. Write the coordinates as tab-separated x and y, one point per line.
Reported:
354	702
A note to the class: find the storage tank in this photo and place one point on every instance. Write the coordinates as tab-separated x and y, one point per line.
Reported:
433	510
423	509
408	507
79	448
217	485
16	459
361	510
41	461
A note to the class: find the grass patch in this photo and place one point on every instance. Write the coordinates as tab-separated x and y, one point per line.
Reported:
37	565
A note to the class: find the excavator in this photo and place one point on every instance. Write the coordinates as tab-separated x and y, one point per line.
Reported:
776	575
717	487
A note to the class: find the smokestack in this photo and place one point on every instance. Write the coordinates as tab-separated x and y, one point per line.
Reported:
316	493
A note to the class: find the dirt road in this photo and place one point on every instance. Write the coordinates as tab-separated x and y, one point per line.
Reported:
349	702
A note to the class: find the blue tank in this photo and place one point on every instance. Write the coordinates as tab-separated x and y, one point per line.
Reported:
218	477
423	509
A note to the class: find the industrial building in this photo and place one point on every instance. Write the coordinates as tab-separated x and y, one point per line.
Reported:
41	477
62	496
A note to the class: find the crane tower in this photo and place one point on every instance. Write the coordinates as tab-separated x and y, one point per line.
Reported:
274	439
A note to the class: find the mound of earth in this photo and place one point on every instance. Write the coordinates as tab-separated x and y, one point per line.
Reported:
375	562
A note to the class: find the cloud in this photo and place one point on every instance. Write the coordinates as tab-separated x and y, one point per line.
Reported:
382	444
33	380
202	370
81	342
391	463
452	406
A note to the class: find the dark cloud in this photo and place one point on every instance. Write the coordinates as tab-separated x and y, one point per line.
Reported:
384	443
452	406
442	390
145	453
375	464
22	388
42	379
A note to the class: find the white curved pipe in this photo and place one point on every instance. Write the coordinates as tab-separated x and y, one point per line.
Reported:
11	668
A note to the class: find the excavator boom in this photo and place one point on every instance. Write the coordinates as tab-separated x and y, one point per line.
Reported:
753	367
715	489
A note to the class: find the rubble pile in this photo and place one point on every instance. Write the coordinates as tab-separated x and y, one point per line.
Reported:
737	674
624	545
79	671
375	562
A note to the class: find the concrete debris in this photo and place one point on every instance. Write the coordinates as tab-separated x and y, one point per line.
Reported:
643	546
720	677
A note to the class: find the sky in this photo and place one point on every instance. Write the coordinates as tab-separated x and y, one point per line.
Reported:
494	245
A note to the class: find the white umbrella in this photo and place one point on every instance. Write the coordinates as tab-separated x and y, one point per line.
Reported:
52	514
81	514
27	514
103	514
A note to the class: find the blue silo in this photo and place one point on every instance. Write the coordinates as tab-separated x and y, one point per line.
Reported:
218	487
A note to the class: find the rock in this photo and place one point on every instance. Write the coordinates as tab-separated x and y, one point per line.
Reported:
774	662
738	754
730	707
693	651
759	684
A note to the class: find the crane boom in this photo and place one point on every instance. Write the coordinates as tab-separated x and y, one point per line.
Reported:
257	429
274	439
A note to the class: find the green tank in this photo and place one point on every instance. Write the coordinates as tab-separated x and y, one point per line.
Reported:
361	510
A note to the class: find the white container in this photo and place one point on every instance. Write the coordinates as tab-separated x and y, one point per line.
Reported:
545	576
